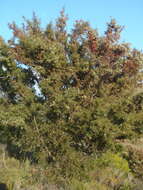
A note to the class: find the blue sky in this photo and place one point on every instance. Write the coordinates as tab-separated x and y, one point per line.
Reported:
128	13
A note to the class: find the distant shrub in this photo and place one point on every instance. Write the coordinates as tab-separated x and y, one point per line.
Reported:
109	172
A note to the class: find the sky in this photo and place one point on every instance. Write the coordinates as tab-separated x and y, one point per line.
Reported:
128	13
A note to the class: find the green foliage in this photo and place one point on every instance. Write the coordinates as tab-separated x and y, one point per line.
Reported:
13	173
89	98
113	160
109	171
133	153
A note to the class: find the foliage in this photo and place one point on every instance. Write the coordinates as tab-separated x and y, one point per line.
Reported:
110	171
133	153
66	97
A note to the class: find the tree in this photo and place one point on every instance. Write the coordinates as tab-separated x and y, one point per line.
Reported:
87	84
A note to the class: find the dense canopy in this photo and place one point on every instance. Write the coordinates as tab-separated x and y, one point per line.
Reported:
67	97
